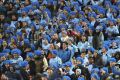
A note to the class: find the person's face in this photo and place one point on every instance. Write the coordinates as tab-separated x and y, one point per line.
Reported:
27	2
2	17
78	62
103	50
67	68
17	1
12	40
95	54
64	46
91	60
50	72
89	52
51	46
55	36
45	41
44	78
83	38
83	55
7	65
114	44
3	58
77	72
112	64
102	72
93	78
24	13
13	17
4	43
15	55
0	36
24	24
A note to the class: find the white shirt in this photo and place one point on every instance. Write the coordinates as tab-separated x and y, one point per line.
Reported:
55	62
27	19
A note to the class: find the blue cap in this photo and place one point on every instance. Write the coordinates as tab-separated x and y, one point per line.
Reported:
105	47
63	16
3	54
6	51
37	52
80	59
95	70
66	78
54	52
82	13
32	47
92	14
108	3
67	8
30	55
16	51
81	78
7	62
35	4
23	63
107	43
15	38
112	60
19	33
69	64
105	69
94	75
26	41
99	27
91	49
72	13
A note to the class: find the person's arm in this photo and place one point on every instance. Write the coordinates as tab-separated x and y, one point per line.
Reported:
45	63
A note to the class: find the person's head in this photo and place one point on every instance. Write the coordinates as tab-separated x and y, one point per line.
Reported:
30	56
15	53
84	38
95	53
79	60
64	45
45	41
27	2
44	77
24	13
104	49
3	56
49	71
95	76
64	33
91	60
52	46
104	70
54	53
83	53
2	17
14	17
4	43
56	36
24	64
68	66
7	63
69	41
78	72
112	61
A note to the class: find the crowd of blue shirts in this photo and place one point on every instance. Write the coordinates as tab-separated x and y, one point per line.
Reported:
60	39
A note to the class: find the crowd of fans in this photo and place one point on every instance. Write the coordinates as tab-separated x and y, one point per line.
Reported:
60	39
